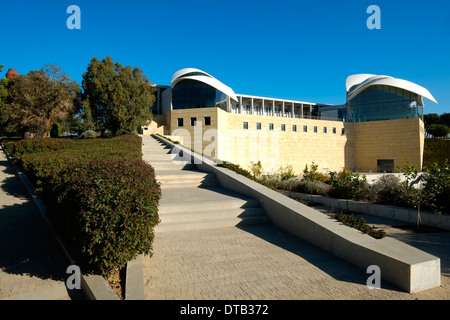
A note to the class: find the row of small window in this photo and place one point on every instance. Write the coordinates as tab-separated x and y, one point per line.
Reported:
294	128
193	122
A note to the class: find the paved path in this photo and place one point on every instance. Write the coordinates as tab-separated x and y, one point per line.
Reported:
262	262
32	266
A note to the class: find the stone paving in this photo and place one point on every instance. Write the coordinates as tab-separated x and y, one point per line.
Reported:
32	266
262	262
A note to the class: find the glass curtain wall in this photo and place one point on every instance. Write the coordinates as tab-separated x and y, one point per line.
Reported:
383	103
188	94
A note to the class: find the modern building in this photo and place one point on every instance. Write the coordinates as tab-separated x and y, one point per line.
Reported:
379	126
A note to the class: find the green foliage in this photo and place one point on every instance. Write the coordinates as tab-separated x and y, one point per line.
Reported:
100	194
437	184
38	100
438	130
110	208
313	175
436	151
286	173
348	185
115	97
55	130
360	224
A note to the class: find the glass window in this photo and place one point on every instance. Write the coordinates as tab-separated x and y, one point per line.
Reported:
305	128
381	102
325	130
315	129
334	130
271	126
294	128
258	126
283	127
180	122
189	94
245	125
207	121
193	121
343	131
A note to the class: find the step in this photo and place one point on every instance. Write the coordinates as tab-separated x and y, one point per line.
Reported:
169	175
189	184
206	205
209	224
185	215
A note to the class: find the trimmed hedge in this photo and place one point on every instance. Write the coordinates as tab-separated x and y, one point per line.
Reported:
436	151
100	194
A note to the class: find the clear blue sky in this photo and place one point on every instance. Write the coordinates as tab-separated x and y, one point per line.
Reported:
276	48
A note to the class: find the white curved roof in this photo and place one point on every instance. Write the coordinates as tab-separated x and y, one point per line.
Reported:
359	82
202	77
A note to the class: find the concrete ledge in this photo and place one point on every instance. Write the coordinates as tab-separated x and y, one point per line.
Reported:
95	287
404	266
386	211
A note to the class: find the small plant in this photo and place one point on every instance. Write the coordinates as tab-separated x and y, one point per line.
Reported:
359	224
348	185
256	169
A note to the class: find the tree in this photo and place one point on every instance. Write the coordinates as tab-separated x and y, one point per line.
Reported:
438	130
118	98
430	119
3	93
38	100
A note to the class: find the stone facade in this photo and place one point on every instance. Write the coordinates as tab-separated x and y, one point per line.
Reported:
332	145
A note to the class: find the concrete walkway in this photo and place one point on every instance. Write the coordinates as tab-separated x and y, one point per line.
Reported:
32	265
259	261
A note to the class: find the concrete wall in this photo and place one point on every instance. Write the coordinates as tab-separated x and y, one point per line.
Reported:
402	265
408	215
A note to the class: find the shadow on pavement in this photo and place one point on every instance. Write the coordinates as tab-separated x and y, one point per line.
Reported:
328	263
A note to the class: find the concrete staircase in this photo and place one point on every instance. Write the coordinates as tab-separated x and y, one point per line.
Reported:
192	199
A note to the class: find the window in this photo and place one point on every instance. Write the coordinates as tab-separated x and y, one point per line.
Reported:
193	121
305	128
334	130
294	128
207	121
385	165
315	129
258	126
245	125
325	130
283	127
180	122
343	131
271	126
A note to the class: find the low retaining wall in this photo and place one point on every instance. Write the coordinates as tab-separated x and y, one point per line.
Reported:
408	215
404	266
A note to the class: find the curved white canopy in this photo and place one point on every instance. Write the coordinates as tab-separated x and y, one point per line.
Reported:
359	82
203	77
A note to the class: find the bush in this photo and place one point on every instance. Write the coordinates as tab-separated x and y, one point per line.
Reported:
359	224
108	208
348	185
436	151
100	194
386	190
55	130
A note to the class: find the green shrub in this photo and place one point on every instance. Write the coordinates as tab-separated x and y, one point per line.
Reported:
359	224
99	193
55	130
108	208
436	151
